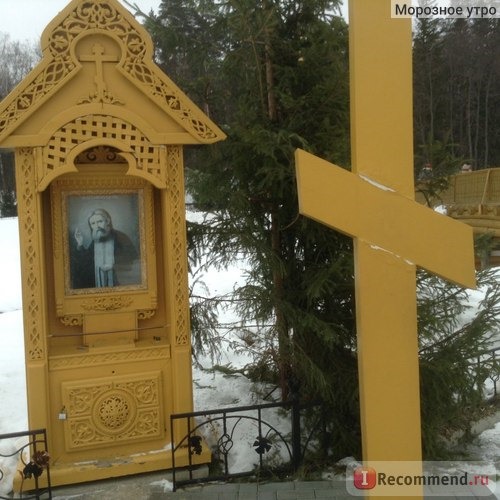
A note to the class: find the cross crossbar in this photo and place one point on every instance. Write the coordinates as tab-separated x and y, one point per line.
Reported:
385	219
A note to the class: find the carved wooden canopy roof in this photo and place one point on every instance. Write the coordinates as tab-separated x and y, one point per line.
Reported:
97	67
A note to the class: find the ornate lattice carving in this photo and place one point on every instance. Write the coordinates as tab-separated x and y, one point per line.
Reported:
148	157
107	358
176	200
57	234
146	313
461	211
59	65
72	320
93	183
100	154
36	91
491	210
107	303
112	410
32	260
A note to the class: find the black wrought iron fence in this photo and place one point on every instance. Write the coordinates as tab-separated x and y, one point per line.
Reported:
272	431
27	453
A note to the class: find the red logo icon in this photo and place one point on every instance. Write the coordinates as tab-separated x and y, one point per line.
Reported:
365	478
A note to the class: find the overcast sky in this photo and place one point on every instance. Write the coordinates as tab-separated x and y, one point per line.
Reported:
26	19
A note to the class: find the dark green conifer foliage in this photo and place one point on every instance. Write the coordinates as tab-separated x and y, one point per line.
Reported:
274	75
452	341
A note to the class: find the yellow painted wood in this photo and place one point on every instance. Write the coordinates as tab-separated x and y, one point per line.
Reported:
393	234
387	355
384	218
97	120
115	467
473	198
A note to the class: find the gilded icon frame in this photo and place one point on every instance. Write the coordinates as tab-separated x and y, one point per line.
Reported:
126	205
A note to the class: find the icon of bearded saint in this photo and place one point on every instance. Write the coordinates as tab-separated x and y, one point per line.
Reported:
107	260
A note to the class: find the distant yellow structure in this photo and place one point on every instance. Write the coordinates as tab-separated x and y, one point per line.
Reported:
98	132
474	198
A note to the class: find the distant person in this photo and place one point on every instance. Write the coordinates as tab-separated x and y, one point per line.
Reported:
110	256
426	172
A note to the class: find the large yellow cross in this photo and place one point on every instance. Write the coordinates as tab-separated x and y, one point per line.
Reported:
392	233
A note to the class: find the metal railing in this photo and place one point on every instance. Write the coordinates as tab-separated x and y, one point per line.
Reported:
481	187
278	450
32	455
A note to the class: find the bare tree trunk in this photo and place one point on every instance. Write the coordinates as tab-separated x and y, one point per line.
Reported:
276	243
486	120
450	117
477	119
3	183
468	116
271	95
282	329
431	107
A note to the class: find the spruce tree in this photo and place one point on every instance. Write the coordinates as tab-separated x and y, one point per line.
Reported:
279	81
453	336
274	75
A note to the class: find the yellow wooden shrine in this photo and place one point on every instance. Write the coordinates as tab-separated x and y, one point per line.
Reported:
98	133
472	197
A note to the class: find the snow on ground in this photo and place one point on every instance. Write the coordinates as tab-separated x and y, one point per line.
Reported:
487	446
10	266
212	389
13	412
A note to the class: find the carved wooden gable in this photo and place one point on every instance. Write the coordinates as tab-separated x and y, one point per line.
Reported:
97	84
